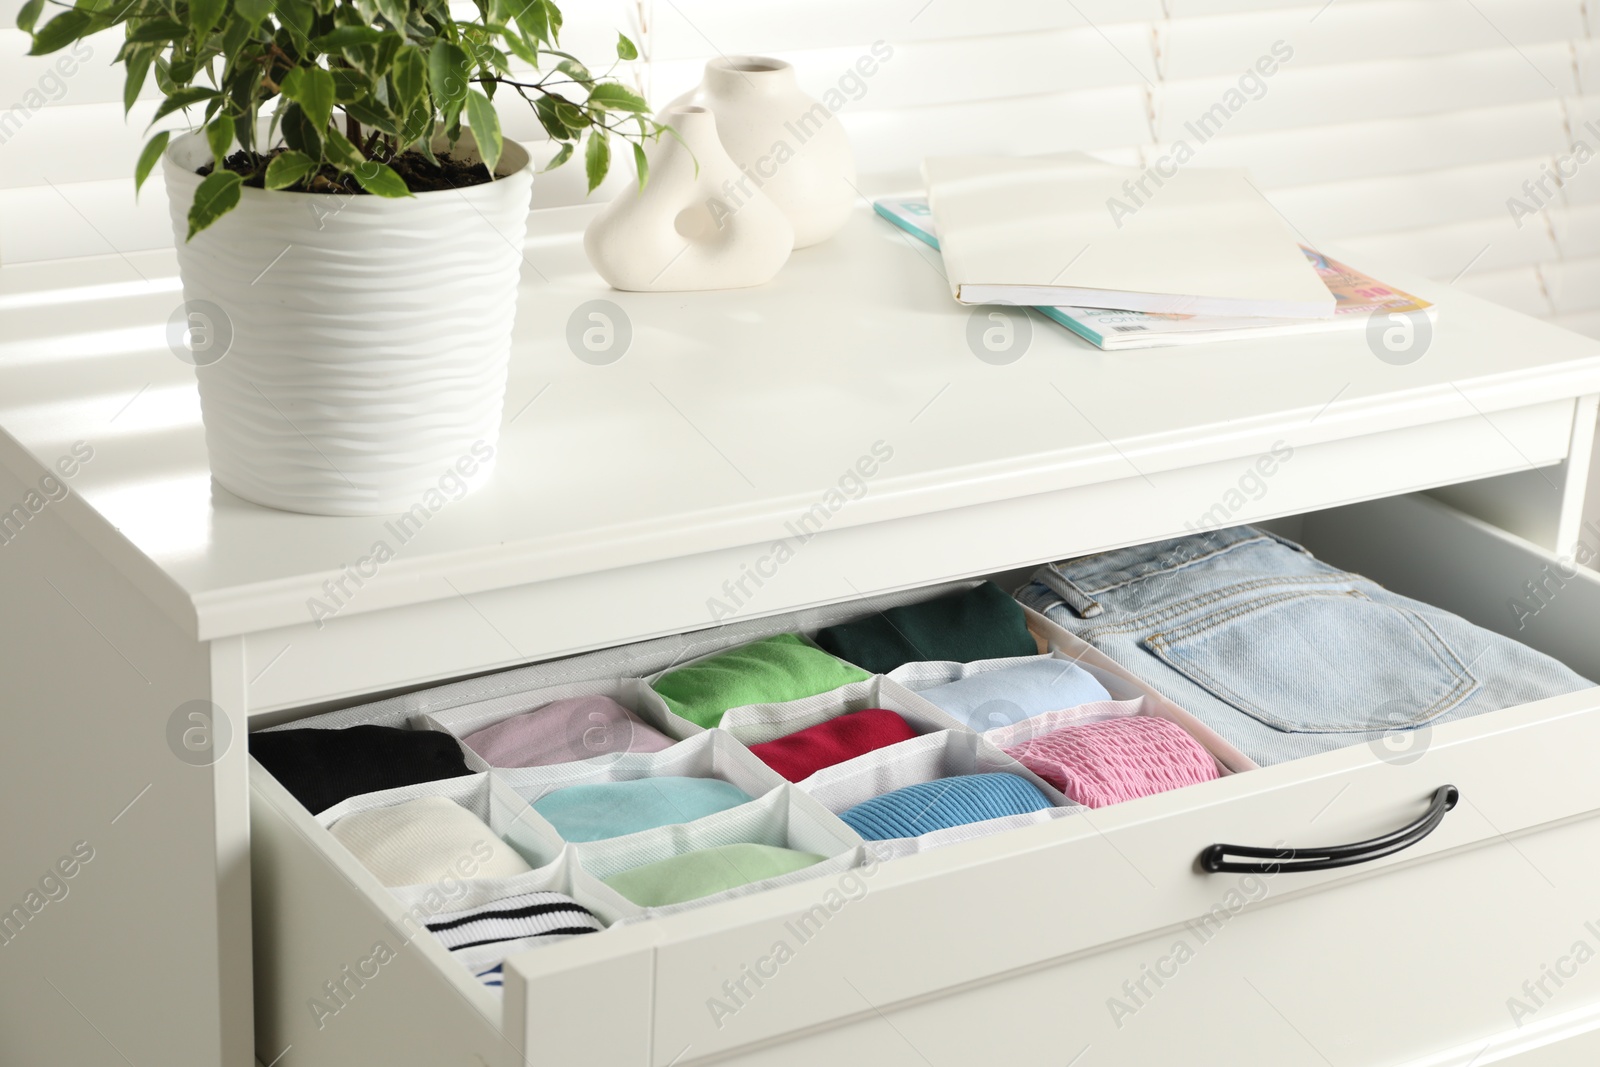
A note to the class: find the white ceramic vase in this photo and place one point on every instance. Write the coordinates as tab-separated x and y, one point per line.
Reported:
788	144
682	231
356	347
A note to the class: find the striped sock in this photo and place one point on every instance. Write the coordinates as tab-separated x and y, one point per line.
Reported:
470	934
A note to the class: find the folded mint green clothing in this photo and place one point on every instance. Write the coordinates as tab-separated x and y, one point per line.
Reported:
595	811
770	671
709	870
973	624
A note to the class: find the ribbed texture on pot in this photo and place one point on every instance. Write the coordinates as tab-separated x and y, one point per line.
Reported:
370	337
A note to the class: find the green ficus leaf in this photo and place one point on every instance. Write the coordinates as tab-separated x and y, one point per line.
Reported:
204	14
641	164
28	16
597	158
182	98
313	89
218	194
449	68
300	133
60	32
147	158
613	97
374	115
251	12
485	125
340	152
288	168
219	137
158	30
347	37
626	49
380	180
348	84
137	62
561	156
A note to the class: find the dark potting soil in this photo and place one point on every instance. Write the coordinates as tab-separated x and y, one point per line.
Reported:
414	169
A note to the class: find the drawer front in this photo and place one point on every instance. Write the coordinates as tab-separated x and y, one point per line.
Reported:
1056	911
1420	967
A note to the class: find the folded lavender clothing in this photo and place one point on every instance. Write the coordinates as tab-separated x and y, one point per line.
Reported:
565	731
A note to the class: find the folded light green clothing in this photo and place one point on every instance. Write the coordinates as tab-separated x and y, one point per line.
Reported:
595	811
770	671
710	870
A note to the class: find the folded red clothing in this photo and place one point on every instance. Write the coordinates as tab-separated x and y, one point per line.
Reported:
805	752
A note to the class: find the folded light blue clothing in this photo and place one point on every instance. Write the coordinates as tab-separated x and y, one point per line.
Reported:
927	806
595	811
1001	697
1280	653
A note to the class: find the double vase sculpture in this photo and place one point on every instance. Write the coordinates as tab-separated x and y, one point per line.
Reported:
752	169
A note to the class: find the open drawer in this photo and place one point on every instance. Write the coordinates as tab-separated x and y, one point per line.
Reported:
1093	930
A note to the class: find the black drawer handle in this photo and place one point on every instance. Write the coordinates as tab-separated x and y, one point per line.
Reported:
1321	859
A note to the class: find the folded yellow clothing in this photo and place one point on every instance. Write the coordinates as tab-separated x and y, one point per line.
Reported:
710	870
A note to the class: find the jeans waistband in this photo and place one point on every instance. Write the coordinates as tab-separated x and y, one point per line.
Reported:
1078	581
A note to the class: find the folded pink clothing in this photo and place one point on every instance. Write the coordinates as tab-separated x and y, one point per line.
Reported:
565	731
1101	763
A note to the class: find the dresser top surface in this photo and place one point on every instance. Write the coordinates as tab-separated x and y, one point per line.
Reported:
729	415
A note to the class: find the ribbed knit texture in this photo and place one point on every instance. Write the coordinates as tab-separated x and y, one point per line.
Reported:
928	806
594	811
424	841
322	767
693	875
565	731
1008	695
770	671
801	754
978	623
541	914
1105	762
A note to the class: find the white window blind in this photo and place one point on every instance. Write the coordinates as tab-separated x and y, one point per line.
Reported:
1401	131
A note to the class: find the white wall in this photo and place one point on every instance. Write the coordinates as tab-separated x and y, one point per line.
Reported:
1399	128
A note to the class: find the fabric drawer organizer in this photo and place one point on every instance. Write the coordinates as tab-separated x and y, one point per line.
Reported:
782	818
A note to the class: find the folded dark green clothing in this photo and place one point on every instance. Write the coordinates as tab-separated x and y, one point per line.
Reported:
978	623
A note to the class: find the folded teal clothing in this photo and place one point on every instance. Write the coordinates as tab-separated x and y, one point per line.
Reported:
970	624
693	875
938	805
770	671
1010	694
594	811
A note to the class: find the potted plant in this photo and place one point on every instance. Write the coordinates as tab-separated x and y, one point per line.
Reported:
349	222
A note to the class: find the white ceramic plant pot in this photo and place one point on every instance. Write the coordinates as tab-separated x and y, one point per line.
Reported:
357	346
790	145
682	231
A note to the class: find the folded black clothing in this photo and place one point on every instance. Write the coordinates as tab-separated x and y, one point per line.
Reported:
323	767
973	624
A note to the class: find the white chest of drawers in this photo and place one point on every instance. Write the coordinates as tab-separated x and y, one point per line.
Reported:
645	495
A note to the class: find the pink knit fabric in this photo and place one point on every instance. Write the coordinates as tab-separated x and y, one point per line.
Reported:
1101	763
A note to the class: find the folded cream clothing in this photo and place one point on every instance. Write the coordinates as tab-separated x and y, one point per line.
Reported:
692	875
565	731
425	841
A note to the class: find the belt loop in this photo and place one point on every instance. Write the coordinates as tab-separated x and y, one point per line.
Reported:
1081	603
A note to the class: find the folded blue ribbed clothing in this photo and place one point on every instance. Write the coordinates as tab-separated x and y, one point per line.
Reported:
1001	697
595	811
928	806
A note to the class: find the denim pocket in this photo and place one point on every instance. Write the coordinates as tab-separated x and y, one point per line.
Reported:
1320	661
